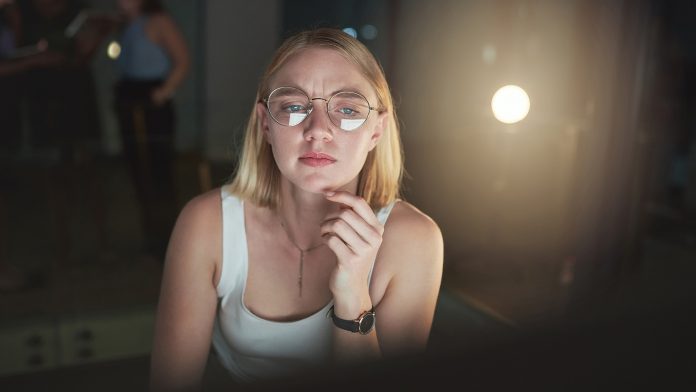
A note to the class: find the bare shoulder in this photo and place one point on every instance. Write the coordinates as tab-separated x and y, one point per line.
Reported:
199	224
409	225
161	19
411	239
162	26
410	260
205	207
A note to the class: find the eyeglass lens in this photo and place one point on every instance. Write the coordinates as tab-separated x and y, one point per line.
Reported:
290	106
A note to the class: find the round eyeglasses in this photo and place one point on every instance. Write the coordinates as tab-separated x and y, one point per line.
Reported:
289	106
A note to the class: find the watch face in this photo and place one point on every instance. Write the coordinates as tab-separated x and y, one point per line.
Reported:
366	323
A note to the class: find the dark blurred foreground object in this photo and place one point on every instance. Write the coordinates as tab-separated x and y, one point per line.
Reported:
639	350
588	352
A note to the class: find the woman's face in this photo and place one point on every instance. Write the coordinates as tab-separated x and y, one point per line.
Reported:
321	72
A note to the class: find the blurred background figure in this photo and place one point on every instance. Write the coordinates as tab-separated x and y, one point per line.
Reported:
10	30
10	277
47	102
153	62
62	105
61	126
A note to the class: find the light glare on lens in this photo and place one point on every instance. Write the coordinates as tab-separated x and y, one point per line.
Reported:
510	104
351	125
296	118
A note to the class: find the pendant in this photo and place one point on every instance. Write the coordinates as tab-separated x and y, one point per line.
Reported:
299	278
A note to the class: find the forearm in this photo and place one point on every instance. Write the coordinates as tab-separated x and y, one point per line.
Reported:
174	367
173	81
349	346
175	374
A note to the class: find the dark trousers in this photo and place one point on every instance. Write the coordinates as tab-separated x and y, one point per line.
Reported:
147	136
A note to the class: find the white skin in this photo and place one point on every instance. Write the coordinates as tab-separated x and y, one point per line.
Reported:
317	204
354	234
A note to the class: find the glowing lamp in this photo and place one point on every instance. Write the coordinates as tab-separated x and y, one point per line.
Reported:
510	104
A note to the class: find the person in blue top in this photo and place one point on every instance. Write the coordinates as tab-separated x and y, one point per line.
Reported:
152	64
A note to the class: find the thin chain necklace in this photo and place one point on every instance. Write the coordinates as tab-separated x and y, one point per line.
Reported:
303	252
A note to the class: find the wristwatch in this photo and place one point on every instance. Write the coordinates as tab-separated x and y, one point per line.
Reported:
363	324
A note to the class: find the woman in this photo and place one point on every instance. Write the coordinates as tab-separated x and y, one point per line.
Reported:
301	233
153	63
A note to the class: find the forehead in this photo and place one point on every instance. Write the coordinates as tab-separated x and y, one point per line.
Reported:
321	71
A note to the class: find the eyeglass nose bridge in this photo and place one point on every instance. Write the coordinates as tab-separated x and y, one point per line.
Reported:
311	107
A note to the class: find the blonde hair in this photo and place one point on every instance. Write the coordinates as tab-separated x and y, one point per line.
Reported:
258	178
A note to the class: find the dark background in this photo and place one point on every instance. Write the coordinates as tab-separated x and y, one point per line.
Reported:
569	235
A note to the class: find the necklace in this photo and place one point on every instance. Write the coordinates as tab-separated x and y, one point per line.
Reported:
303	252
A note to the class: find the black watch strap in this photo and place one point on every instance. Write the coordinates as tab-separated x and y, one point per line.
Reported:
362	324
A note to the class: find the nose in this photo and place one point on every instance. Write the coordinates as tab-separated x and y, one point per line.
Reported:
318	124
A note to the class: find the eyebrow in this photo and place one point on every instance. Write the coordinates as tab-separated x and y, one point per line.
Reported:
346	89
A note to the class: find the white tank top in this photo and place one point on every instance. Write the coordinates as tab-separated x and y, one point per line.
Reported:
250	347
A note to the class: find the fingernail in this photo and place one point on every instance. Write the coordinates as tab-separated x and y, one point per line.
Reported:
330	193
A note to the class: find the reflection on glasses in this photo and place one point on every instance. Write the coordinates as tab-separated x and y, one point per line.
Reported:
289	106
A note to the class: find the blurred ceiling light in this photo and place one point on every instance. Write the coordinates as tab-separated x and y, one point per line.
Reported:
113	50
369	32
489	54
351	31
510	104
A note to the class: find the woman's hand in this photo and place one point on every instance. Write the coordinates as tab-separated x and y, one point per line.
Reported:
354	234
160	96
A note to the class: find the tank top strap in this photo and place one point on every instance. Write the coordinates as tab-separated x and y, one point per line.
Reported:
384	212
382	216
234	246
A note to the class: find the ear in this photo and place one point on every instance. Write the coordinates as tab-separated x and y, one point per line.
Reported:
262	115
378	130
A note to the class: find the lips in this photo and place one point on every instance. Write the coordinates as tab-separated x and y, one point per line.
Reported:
317	159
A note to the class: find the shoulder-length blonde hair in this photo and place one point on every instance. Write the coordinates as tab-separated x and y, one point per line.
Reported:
257	176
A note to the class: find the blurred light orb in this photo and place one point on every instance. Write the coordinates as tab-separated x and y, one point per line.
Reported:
351	31
368	32
113	50
489	54
510	104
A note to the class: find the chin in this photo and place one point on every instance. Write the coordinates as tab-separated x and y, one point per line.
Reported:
317	185
319	188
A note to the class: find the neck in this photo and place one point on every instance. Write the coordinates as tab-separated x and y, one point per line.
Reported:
303	212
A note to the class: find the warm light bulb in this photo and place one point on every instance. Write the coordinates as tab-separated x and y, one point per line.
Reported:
113	50
510	104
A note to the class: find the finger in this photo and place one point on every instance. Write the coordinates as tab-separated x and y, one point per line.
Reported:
346	233
357	203
339	247
369	233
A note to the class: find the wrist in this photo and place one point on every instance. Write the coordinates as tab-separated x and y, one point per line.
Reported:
364	323
352	307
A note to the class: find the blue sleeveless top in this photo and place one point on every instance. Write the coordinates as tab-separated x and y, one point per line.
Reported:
140	58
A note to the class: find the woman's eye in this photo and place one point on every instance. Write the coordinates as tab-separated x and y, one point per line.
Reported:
347	111
294	108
